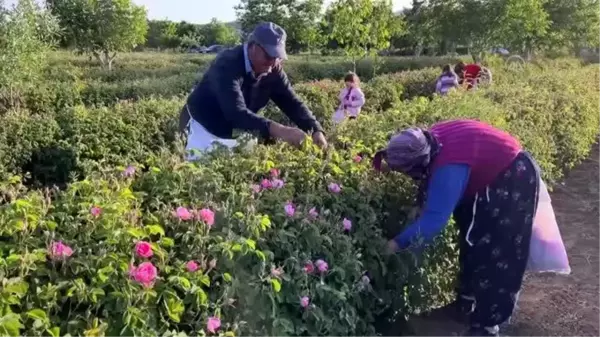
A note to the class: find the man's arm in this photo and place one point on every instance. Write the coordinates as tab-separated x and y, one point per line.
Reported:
445	190
285	98
227	89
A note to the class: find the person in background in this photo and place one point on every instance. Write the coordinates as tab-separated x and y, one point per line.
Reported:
238	84
447	80
351	99
482	176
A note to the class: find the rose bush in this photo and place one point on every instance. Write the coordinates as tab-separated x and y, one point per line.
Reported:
276	241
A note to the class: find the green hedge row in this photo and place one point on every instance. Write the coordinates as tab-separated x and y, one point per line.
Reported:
119	134
173	248
73	81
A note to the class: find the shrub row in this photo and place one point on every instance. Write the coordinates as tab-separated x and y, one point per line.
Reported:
119	134
77	80
277	241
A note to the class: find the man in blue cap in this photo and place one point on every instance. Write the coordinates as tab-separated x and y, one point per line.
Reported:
239	83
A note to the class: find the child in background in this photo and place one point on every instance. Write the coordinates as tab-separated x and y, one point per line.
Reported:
351	99
447	80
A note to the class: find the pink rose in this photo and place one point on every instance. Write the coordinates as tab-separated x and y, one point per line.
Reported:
289	209
191	266
59	250
207	216
322	266
129	171
334	188
276	272
182	213
255	188
277	183
96	211
213	324
145	274
309	267
304	301
274	173
266	184
131	271
357	159
347	224
313	214
143	249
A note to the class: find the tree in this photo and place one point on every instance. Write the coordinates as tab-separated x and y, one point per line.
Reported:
573	23
102	27
27	34
361	27
219	33
523	25
299	18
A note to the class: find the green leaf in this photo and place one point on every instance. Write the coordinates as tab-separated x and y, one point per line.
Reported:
276	285
251	243
167	242
205	280
136	233
261	255
201	297
13	258
227	277
17	287
175	308
183	282
236	247
265	222
154	229
37	314
230	334
10	325
54	332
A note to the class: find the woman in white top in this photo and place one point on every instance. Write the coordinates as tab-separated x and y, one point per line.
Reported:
351	99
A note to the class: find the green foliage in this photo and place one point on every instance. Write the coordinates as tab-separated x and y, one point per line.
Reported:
251	260
219	33
26	37
299	18
361	27
102	27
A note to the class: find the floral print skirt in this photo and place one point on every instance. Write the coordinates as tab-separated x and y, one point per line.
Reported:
495	232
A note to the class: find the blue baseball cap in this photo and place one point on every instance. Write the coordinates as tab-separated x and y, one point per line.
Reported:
271	37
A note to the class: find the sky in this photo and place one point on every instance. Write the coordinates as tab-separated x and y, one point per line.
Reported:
199	11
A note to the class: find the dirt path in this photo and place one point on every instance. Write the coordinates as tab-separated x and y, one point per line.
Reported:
568	305
556	305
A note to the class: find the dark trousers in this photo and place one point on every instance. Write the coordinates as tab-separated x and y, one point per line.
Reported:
495	232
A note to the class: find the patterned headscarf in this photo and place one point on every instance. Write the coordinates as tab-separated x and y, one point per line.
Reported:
409	151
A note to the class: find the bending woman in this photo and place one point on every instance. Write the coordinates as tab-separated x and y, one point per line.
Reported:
482	176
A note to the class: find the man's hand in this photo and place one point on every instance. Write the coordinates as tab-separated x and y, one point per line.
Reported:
292	136
319	139
392	247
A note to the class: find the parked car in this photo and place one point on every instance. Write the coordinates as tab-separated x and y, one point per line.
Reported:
214	49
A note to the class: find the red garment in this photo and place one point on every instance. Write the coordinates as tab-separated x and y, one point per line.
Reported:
486	150
472	70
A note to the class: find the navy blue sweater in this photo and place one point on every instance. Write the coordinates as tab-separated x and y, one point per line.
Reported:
228	97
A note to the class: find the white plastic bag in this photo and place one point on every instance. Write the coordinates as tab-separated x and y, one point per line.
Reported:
547	251
339	115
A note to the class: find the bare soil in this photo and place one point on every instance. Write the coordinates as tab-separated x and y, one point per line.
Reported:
557	305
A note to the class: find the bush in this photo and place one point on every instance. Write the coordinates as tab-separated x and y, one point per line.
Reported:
248	267
142	75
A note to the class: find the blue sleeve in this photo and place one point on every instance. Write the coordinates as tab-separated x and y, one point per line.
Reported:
445	190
